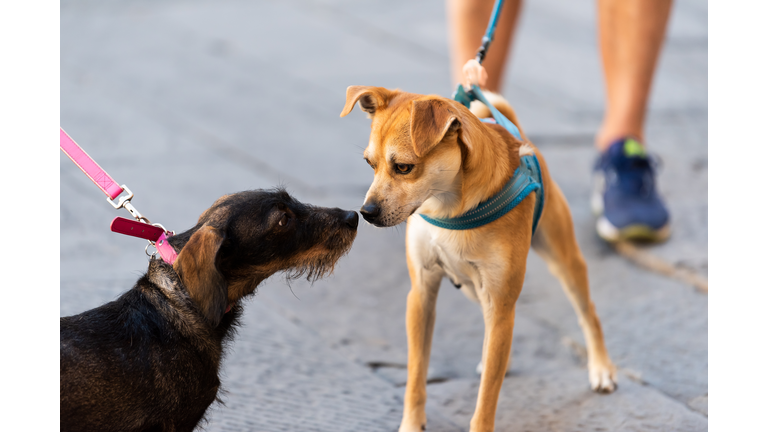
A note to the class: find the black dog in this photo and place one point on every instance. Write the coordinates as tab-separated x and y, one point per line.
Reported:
149	361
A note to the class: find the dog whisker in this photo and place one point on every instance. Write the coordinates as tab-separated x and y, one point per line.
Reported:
290	287
435	197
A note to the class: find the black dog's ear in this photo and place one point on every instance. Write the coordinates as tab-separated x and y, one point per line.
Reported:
196	266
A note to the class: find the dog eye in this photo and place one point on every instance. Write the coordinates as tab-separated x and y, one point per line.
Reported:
283	219
368	162
403	168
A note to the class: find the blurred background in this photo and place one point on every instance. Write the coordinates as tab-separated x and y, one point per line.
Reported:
185	101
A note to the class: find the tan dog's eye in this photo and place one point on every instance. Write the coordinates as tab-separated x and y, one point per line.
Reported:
403	168
283	220
368	162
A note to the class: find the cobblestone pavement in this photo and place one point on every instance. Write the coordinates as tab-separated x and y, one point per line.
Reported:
185	101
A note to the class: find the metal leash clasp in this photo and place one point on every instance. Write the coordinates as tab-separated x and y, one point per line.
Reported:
151	243
124	201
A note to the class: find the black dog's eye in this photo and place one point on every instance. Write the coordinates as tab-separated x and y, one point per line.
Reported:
403	168
283	219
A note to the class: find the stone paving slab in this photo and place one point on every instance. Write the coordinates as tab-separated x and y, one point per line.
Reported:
185	101
304	385
562	402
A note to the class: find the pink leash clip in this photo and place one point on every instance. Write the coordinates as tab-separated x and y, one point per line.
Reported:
156	235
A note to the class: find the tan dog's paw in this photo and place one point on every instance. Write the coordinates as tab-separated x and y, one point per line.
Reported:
413	427
414	420
603	378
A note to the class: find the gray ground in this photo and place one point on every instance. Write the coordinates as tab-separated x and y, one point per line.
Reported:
185	101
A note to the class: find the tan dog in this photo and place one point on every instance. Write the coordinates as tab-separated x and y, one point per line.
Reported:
432	155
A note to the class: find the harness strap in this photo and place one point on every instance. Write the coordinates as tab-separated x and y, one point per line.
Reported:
513	193
526	178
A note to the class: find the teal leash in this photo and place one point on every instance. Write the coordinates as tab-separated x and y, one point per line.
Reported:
466	97
488	38
526	178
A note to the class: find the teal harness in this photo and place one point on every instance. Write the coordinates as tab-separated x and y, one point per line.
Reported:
526	179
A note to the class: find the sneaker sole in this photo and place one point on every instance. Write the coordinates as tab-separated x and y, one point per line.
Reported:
598	188
608	232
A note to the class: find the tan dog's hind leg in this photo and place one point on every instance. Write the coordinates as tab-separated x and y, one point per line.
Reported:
555	242
419	323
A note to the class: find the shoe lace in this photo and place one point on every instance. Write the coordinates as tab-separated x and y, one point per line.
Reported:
635	175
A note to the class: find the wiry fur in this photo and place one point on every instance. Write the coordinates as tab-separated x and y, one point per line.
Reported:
149	361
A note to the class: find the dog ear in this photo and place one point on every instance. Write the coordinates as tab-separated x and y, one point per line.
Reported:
371	99
196	266
431	119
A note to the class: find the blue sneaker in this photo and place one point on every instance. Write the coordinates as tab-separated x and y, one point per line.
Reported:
625	198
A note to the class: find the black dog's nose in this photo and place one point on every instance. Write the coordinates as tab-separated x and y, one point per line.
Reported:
351	219
370	211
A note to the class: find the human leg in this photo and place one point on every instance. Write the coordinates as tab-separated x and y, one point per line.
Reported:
467	22
631	34
629	207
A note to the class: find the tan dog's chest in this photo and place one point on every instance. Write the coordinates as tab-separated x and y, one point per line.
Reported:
473	261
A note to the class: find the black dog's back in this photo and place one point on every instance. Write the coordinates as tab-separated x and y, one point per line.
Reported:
127	362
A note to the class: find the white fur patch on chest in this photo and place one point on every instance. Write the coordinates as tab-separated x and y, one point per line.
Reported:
463	259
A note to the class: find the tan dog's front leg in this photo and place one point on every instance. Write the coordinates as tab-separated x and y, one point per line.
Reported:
419	322
499	317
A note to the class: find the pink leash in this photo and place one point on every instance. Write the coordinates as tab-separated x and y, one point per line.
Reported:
89	167
156	234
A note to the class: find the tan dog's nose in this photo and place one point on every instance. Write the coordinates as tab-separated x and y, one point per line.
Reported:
370	211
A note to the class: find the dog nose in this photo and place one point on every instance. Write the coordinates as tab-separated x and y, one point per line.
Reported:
351	219
370	211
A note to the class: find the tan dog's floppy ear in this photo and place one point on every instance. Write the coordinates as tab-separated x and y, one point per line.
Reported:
371	99
196	266
430	121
